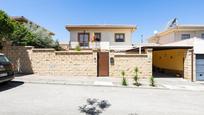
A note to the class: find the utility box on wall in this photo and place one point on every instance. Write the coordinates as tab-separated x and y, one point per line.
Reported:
111	60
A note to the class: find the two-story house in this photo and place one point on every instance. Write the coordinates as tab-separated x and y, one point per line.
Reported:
178	33
107	37
180	51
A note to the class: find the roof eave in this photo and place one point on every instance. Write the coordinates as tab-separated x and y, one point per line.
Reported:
69	28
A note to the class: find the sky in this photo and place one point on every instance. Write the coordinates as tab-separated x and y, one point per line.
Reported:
147	15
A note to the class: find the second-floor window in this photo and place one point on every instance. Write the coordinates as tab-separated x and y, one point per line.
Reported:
97	37
119	37
185	36
202	35
83	39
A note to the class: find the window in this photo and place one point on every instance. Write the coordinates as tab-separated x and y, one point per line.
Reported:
119	37
185	36
3	59
97	37
202	35
83	39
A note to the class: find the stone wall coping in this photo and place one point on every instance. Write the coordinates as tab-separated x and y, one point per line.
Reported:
29	47
43	50
130	55
77	51
72	52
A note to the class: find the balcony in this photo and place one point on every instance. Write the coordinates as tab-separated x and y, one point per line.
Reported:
103	46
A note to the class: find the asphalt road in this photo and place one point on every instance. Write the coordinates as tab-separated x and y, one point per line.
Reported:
18	98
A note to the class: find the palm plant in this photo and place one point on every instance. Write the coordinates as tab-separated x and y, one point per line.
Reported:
136	77
152	81
124	80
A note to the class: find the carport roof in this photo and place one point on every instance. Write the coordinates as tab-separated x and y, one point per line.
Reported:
183	44
187	42
160	47
168	47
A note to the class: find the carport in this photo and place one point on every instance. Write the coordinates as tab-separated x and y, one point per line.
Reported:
170	61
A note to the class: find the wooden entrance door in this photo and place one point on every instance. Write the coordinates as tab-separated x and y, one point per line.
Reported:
103	64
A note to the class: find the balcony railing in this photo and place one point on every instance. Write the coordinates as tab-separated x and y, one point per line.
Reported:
103	45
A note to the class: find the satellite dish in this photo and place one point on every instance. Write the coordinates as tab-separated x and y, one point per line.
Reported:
172	23
155	31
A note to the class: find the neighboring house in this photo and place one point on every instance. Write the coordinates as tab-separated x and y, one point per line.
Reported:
178	33
180	51
108	37
23	20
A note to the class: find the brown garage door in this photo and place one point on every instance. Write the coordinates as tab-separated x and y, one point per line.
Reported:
103	64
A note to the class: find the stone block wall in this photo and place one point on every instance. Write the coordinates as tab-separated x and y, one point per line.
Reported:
127	62
20	57
30	60
188	64
64	63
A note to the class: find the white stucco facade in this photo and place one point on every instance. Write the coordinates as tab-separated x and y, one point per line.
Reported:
107	37
174	34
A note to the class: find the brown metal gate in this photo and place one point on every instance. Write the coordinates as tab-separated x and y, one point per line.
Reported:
103	64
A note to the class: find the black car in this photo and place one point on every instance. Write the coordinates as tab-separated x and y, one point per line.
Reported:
6	69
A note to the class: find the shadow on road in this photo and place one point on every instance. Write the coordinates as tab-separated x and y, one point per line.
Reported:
10	85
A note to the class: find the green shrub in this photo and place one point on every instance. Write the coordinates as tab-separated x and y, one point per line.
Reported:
57	46
78	48
152	81
124	80
123	73
136	77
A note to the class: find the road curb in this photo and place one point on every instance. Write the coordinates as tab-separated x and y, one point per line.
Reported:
75	84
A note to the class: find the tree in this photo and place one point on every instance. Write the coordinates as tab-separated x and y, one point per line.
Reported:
13	31
21	35
6	26
25	33
42	38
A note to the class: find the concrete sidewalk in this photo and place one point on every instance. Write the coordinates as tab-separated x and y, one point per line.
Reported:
162	83
77	80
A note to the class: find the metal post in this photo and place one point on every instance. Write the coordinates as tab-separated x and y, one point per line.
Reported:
140	50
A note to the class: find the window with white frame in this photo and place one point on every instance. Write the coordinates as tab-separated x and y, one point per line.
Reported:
185	36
